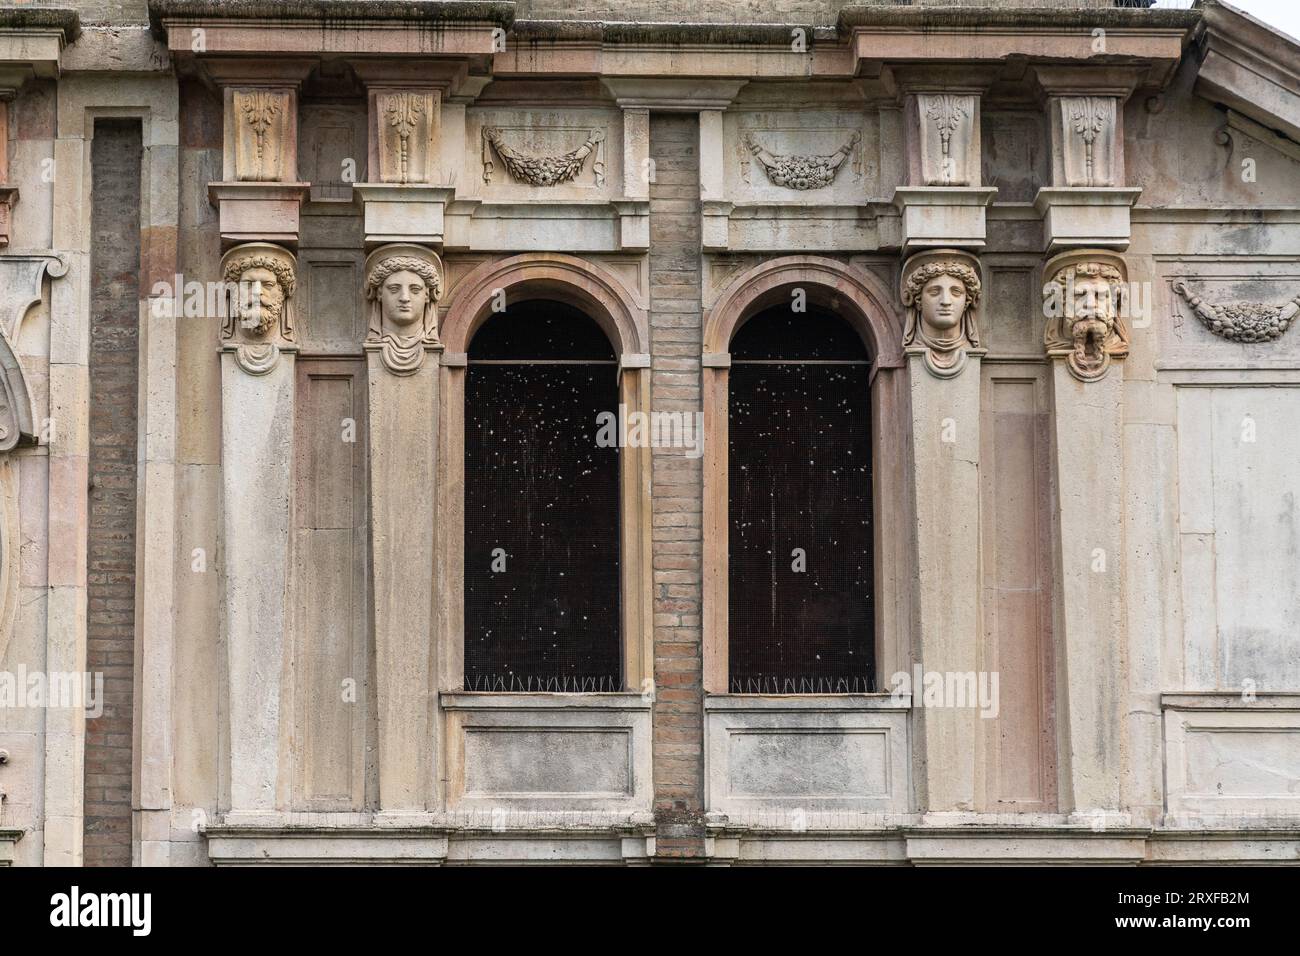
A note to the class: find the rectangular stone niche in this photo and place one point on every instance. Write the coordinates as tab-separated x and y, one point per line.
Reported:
548	752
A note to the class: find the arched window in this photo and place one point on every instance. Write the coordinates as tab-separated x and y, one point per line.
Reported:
541	504
800	601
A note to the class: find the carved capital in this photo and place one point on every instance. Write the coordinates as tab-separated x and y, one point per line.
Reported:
1244	322
941	291
403	285
261	134
801	172
260	280
405	135
1085	299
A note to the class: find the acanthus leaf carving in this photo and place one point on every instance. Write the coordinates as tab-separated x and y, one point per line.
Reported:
402	287
1085	300
543	170
1244	322
801	172
941	290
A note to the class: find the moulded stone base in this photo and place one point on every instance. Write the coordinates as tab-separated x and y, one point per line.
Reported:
943	216
1075	217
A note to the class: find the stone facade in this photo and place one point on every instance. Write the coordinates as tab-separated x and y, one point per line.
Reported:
1067	235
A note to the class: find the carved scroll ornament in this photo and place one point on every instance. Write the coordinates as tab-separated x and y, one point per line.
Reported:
260	279
542	170
1085	299
1241	321
941	291
801	172
1089	140
403	285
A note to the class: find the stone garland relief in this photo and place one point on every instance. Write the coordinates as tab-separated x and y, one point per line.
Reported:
1088	140
260	278
801	172
543	170
261	131
403	285
941	291
1084	299
1243	322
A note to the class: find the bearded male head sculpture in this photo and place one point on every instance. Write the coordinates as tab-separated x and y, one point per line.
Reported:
1084	298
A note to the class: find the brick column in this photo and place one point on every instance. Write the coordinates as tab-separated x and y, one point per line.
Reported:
675	332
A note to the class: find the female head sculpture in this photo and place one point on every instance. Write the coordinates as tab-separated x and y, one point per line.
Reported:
941	292
403	284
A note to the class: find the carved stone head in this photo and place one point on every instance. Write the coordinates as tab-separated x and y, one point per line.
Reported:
403	284
261	280
941	292
1084	302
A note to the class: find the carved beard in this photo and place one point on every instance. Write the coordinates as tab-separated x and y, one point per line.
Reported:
267	317
1090	340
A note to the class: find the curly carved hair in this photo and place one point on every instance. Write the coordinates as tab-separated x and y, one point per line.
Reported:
944	267
278	267
394	264
1090	270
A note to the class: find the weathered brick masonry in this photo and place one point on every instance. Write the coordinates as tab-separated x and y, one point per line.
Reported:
675	331
114	377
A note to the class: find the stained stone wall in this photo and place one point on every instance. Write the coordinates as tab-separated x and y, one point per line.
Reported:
1101	514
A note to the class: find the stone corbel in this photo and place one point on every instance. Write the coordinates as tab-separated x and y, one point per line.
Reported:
408	190
403	285
943	202
941	291
258	326
259	196
1087	203
1085	300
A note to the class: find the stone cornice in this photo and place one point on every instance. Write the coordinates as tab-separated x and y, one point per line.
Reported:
497	12
1250	67
39	19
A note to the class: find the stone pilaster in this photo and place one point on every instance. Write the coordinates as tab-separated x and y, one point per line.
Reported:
257	426
403	283
1084	301
941	291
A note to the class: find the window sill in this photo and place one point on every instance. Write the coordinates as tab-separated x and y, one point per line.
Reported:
807	702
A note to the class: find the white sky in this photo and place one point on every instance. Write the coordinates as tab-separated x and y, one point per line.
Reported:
1282	14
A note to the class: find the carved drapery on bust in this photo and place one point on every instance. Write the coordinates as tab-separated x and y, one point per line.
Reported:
260	279
801	172
542	170
262	119
1085	299
1241	321
941	291
403	285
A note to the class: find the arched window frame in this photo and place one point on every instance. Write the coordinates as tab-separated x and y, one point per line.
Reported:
861	300
589	287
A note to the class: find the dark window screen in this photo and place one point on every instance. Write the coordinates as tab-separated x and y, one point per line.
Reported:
538	488
799	477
